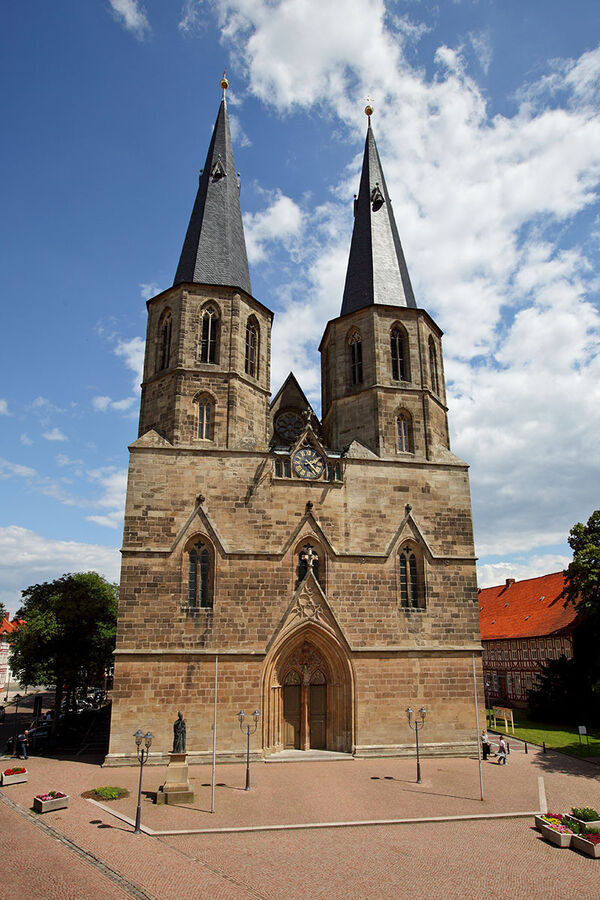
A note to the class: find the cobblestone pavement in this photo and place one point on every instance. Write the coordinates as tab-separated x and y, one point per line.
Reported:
503	857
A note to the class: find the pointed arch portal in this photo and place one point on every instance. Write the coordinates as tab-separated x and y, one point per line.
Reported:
308	694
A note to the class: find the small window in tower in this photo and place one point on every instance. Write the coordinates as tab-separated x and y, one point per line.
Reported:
205	418
251	364
356	366
210	326
404	433
433	367
164	354
287	467
398	346
199	592
278	468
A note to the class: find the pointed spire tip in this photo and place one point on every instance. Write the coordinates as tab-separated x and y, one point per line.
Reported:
224	82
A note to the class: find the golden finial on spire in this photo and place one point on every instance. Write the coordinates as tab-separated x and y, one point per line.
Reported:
224	83
369	107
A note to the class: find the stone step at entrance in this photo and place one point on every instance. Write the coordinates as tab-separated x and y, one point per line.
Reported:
307	756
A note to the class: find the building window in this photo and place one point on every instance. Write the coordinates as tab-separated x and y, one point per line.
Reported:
252	333
164	349
433	367
199	592
210	329
205	418
283	467
356	368
399	353
411	578
404	433
334	471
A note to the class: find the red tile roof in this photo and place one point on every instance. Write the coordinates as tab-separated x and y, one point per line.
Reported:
529	608
6	626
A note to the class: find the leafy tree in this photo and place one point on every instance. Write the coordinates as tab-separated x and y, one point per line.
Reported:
568	689
69	635
582	576
2	611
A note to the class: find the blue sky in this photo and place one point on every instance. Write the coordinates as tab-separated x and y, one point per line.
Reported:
487	117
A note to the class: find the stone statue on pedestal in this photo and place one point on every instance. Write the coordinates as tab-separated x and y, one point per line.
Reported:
179	734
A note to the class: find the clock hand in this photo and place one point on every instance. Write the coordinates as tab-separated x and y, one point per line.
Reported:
312	465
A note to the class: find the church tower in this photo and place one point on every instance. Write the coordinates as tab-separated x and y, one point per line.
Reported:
327	565
381	360
208	342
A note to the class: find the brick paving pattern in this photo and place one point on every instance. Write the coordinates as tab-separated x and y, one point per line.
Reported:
506	858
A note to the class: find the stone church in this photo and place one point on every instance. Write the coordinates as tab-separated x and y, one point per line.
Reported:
328	562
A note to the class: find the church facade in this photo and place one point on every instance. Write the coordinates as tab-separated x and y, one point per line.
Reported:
328	563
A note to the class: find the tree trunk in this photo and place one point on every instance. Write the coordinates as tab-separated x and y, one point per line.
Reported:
57	705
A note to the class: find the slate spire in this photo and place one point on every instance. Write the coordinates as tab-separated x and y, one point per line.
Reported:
214	250
377	271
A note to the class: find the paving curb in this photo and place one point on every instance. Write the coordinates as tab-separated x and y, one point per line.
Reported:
361	823
133	889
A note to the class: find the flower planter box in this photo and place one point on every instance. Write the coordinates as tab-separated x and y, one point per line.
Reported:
558	838
580	843
43	806
14	779
594	824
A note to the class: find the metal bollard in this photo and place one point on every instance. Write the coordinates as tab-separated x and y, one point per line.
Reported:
507	749
544	747
525	747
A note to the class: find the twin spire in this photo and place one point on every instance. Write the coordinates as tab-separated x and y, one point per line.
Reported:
214	250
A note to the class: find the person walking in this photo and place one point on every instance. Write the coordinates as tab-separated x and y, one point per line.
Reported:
485	744
23	741
501	752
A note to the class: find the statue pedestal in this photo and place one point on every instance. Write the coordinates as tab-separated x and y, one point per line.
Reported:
177	788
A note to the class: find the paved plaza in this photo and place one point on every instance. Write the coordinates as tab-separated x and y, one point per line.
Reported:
89	850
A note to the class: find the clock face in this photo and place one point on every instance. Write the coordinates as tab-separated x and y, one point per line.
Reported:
308	463
289	426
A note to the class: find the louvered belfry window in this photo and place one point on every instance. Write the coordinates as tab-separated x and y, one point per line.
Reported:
356	366
210	324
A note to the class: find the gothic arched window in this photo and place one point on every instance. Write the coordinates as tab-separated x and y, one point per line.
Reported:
410	566
399	353
205	417
210	335
199	592
252	340
404	432
356	366
164	338
433	367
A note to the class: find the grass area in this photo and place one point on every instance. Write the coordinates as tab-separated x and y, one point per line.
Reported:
556	737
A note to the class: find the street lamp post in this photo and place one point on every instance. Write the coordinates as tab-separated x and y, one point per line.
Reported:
249	729
415	725
142	755
16	698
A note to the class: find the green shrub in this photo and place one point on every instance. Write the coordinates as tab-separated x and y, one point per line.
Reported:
111	793
585	813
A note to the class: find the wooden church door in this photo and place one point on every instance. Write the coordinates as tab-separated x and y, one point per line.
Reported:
305	701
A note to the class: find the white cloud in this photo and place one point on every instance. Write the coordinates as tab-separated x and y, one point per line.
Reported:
485	207
132	353
26	440
101	404
482	45
149	289
280	223
192	17
55	434
113	482
4	407
493	574
132	15
28	558
8	470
